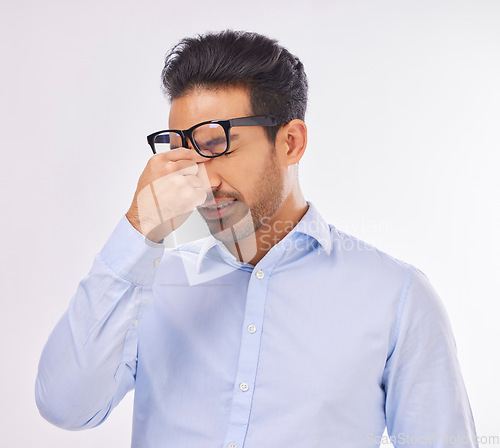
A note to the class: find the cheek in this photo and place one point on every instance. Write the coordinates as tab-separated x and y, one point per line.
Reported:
242	178
241	169
246	169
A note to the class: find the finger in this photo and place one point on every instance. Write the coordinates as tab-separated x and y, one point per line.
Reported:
181	154
186	200
183	167
176	191
202	174
194	181
200	196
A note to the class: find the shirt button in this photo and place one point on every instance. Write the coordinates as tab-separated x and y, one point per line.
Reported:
156	262
252	328
136	322
232	445
259	274
243	387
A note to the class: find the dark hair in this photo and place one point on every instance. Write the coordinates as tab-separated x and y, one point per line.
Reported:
275	79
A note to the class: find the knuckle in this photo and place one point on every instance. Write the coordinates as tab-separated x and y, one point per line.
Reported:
156	159
170	166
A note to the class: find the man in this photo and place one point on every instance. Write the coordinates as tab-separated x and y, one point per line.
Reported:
278	330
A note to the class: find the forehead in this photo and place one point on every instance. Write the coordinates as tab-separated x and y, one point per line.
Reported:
209	104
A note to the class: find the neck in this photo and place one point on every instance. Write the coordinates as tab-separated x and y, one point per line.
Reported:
254	247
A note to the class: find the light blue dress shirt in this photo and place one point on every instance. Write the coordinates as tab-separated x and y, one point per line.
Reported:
322	344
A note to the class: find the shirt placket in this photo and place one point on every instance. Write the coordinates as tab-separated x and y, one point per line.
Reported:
253	324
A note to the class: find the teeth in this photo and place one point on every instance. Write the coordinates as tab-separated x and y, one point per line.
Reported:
218	207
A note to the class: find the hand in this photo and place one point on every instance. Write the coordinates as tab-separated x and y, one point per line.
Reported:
170	187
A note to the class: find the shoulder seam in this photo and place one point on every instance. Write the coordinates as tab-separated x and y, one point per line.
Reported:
401	305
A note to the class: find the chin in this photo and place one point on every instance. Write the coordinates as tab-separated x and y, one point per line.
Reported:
233	228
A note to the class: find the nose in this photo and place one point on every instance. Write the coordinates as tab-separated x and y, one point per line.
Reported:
188	143
213	175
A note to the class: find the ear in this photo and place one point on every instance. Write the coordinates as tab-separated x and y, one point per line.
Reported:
292	141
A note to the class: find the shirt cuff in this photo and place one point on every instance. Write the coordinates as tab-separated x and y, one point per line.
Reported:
131	255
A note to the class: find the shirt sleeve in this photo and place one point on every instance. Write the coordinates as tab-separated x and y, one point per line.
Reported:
426	400
89	361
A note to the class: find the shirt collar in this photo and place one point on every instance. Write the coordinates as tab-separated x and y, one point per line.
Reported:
312	224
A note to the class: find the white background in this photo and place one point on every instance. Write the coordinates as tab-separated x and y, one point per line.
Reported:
403	152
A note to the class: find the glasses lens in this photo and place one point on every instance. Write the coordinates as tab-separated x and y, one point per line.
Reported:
167	141
211	139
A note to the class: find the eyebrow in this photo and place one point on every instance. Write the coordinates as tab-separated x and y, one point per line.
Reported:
234	136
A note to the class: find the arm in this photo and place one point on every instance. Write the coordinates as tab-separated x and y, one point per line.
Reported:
89	361
426	400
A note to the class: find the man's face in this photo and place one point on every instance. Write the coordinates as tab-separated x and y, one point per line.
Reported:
247	185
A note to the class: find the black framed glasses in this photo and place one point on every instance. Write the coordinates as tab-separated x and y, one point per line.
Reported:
209	138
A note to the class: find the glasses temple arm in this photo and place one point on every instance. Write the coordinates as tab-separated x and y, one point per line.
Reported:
254	121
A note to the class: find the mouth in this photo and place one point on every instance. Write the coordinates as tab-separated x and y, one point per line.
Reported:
216	209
